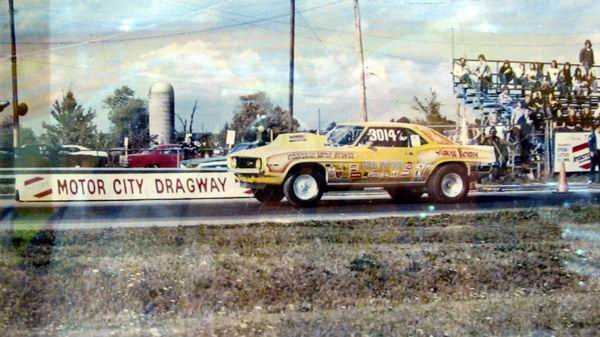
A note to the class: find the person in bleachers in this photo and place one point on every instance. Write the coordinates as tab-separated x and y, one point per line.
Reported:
532	75
539	68
586	56
552	73
565	81
597	116
506	101
587	119
580	84
506	73
551	105
483	73
462	72
560	123
536	106
520	115
514	140
592	81
573	121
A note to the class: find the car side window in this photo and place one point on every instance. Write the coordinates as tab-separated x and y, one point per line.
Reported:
387	137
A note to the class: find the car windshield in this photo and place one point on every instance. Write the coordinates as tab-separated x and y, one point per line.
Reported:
240	147
344	135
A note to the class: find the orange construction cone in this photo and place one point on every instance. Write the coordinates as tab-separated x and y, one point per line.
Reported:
563	185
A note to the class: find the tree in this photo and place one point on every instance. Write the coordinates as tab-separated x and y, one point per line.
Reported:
129	117
257	109
430	107
72	124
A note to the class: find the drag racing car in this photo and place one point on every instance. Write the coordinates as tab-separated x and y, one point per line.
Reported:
407	160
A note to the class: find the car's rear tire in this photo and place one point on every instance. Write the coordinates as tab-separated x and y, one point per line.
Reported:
268	195
405	195
304	187
448	184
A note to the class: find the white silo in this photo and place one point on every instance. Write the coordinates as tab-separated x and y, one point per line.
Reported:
162	112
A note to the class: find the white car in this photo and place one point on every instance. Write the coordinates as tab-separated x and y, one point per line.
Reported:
81	156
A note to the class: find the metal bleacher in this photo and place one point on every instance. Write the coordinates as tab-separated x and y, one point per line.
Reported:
486	107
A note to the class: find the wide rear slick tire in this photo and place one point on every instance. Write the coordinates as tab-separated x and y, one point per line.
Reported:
304	187
270	195
448	184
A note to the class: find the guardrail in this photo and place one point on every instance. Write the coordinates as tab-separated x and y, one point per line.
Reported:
121	184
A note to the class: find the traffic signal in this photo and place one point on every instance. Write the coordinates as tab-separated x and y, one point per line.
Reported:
4	104
22	109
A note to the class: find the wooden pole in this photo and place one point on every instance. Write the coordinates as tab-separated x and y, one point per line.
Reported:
13	60
292	46
363	97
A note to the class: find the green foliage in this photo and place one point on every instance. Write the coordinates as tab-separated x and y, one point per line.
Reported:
255	106
72	124
429	107
129	117
26	137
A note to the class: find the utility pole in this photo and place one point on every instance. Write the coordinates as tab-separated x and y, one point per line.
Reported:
13	59
363	97
292	45
319	121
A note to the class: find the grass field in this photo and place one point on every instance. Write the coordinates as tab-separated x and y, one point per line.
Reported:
525	273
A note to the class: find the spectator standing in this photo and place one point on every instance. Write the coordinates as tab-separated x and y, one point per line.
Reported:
594	147
499	150
532	75
586	56
506	73
565	81
483	74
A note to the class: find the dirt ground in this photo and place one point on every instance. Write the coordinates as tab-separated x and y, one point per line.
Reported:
522	273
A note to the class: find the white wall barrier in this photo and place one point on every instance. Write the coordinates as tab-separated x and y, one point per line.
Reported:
104	185
572	147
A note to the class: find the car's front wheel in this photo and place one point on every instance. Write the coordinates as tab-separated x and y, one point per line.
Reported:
268	194
304	187
448	184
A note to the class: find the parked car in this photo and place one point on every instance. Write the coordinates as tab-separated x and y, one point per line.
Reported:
215	163
81	156
405	159
165	156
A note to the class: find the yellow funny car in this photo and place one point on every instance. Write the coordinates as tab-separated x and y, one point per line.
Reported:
405	159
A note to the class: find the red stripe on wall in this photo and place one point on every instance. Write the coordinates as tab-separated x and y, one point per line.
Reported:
33	180
43	193
580	147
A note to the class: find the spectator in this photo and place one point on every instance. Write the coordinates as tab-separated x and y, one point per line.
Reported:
572	122
587	120
551	106
506	73
514	139
565	81
520	115
532	75
592	81
499	150
506	101
483	74
539	77
594	147
586	56
552	73
462	72
561	121
521	75
536	105
597	117
580	83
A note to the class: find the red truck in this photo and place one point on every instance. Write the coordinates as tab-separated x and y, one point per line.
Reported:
166	155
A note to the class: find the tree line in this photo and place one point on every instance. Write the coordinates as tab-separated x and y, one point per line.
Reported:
72	123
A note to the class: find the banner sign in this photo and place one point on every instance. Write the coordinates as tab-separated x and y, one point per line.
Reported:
572	147
128	186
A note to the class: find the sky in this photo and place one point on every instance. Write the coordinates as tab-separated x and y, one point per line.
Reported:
213	51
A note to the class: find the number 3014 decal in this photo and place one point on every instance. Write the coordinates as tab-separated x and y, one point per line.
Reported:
384	135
